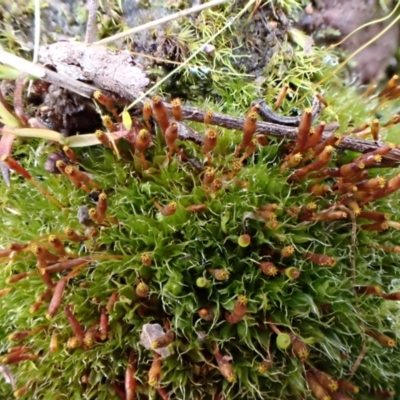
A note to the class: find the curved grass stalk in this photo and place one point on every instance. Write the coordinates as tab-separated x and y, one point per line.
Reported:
160	21
86	140
351	56
375	21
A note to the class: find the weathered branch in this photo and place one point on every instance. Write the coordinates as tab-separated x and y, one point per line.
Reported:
271	129
192	113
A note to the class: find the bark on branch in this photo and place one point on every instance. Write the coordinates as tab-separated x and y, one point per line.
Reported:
282	131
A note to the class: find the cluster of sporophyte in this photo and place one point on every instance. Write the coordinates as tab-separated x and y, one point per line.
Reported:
240	267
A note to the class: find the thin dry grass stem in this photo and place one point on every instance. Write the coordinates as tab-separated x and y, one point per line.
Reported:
361	48
160	21
375	21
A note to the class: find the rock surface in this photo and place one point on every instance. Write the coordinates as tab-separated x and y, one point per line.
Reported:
345	16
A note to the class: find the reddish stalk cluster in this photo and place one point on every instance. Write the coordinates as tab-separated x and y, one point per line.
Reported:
53	259
325	387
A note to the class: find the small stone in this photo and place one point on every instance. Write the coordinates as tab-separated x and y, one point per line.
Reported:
150	333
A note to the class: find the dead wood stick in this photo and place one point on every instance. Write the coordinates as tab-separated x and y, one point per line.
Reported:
192	113
271	129
39	71
92	6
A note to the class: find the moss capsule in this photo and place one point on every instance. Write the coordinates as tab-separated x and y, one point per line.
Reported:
208	117
20	392
318	390
347	386
55	302
130	379
210	141
103	99
169	209
390	85
300	348
287	251
74	342
268	268
381	338
303	131
43	256
89	338
160	113
147	113
377	226
239	310
176	107
244	240
219	274
54	343
76	327
209	176
216	185
70	154
111	302
391	296
281	96
264	366
22	335
146	259
319	190
103	138
329	216
283	341
325	380
74	236
196	208
17	357
142	140
108	123
374	290
155	370
142	290
320	259
249	128
103	326
207	314
291	272
57	245
202	282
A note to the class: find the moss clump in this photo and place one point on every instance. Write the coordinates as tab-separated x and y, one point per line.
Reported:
258	286
237	269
